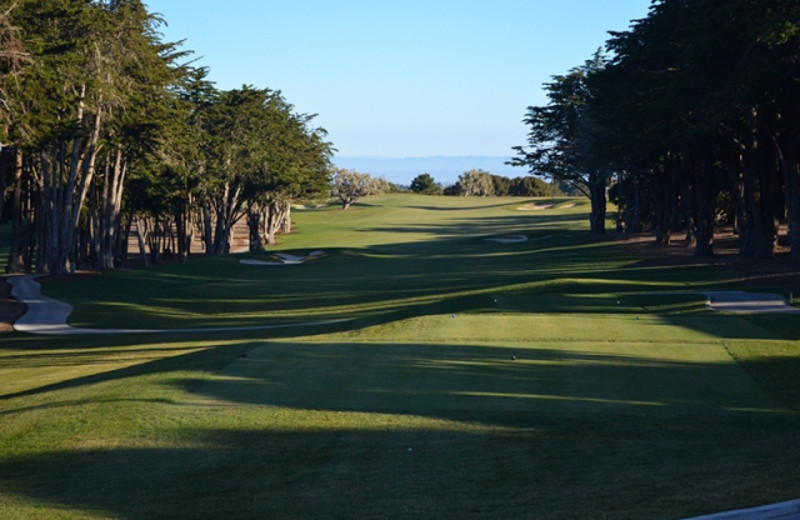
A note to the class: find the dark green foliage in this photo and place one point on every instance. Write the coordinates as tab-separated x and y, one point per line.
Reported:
101	129
563	138
453	190
532	187
504	187
696	100
425	184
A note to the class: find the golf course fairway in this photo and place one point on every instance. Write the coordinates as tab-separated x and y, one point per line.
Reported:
555	377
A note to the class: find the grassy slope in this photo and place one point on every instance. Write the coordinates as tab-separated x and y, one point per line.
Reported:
416	407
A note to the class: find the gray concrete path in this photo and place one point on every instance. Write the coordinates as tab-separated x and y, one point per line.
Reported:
44	315
741	301
781	511
48	316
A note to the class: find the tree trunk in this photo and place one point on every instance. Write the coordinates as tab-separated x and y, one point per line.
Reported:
227	214
124	240
109	208
65	184
270	222
7	158
702	223
738	193
183	229
758	229
141	240
208	240
254	216
664	188
597	191
53	212
286	217
17	236
791	176
36	227
155	238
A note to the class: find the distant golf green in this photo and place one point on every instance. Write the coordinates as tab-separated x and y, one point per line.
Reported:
554	377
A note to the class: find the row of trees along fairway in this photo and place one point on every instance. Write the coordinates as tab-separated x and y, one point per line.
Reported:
102	128
481	183
692	119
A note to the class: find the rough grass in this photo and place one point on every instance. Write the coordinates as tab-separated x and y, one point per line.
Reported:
475	380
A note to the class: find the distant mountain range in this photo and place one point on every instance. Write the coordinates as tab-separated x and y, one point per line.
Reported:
444	169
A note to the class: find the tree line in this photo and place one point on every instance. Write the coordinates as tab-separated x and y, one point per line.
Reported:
689	121
105	128
481	183
348	186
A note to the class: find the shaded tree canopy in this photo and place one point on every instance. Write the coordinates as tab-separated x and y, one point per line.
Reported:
424	183
692	120
562	139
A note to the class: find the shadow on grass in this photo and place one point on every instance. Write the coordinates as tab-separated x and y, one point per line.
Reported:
410	431
492	385
467	208
456	382
205	359
488	226
561	471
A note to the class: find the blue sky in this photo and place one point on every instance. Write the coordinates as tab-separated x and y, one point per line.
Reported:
400	78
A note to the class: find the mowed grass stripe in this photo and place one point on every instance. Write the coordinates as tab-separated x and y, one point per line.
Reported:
438	380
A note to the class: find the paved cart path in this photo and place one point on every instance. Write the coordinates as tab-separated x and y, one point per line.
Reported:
781	511
741	301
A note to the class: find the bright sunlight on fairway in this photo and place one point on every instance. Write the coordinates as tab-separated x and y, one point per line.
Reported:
555	377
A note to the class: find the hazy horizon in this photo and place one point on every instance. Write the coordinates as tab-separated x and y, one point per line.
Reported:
445	169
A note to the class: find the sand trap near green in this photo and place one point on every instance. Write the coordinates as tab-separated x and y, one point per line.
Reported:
283	259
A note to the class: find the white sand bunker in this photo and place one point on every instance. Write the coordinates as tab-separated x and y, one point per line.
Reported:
535	206
309	206
508	239
283	259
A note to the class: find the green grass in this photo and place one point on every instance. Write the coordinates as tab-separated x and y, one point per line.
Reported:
551	379
395	257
